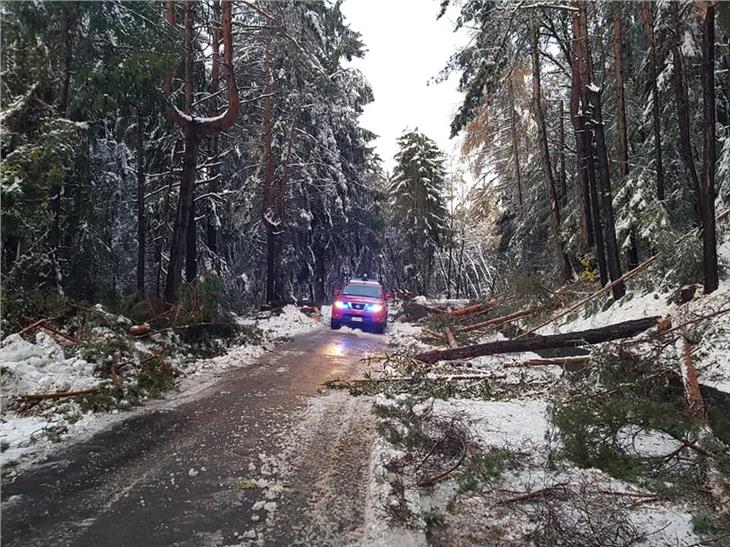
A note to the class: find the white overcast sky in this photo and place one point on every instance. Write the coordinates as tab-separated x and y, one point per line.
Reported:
407	47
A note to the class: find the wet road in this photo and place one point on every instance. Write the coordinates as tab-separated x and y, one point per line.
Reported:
258	458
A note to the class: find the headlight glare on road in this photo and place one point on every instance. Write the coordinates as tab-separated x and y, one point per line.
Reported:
375	307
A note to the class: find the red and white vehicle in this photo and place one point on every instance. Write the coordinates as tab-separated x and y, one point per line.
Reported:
361	304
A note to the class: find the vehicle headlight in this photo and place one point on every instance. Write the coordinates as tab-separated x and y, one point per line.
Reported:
375	307
340	305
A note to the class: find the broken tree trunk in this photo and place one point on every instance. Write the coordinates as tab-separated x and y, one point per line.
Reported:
628	275
58	395
450	338
625	329
497	321
581	360
476	308
692	392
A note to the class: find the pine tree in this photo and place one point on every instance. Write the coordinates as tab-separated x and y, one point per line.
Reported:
418	205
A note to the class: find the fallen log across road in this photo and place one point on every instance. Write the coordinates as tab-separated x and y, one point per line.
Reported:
625	329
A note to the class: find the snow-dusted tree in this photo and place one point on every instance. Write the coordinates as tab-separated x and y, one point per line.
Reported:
418	209
194	128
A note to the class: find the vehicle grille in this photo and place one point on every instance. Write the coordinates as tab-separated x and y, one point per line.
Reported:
358	306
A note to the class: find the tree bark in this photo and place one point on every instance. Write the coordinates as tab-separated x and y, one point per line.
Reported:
621	129
211	218
616	331
193	129
515	149
561	157
682	99
585	154
184	208
581	156
593	100
267	209
141	220
191	245
709	238
647	16
547	169
613	259
66	31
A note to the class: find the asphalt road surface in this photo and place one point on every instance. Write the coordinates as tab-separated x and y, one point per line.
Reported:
260	457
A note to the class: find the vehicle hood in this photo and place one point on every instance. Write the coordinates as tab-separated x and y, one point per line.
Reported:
361	299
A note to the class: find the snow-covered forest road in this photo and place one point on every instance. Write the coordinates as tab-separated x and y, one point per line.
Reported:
260	457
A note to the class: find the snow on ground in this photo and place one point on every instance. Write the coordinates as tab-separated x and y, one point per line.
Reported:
712	351
402	334
626	309
520	426
42	367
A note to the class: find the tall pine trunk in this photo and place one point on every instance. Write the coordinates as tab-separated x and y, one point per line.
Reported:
647	16
194	129
182	216
191	245
141	220
515	148
267	203
211	217
581	148
581	66
682	99
709	238
621	126
593	102
561	157
547	169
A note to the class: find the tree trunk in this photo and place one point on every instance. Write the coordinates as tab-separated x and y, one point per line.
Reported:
616	331
320	295
584	136
709	238
461	264
593	99
182	217
267	209
515	149
191	245
613	259
67	57
547	169
211	232
211	218
193	129
621	129
682	98
581	142
561	156
141	220
647	16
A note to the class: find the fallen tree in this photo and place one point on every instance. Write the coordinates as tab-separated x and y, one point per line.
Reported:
57	395
450	338
475	308
580	360
498	321
625	329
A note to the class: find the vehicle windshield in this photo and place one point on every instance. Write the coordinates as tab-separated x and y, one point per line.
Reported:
372	291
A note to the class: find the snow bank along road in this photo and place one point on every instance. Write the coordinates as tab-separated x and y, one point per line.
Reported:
258	458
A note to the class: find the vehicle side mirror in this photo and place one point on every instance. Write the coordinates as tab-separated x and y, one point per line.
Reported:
388	296
337	292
